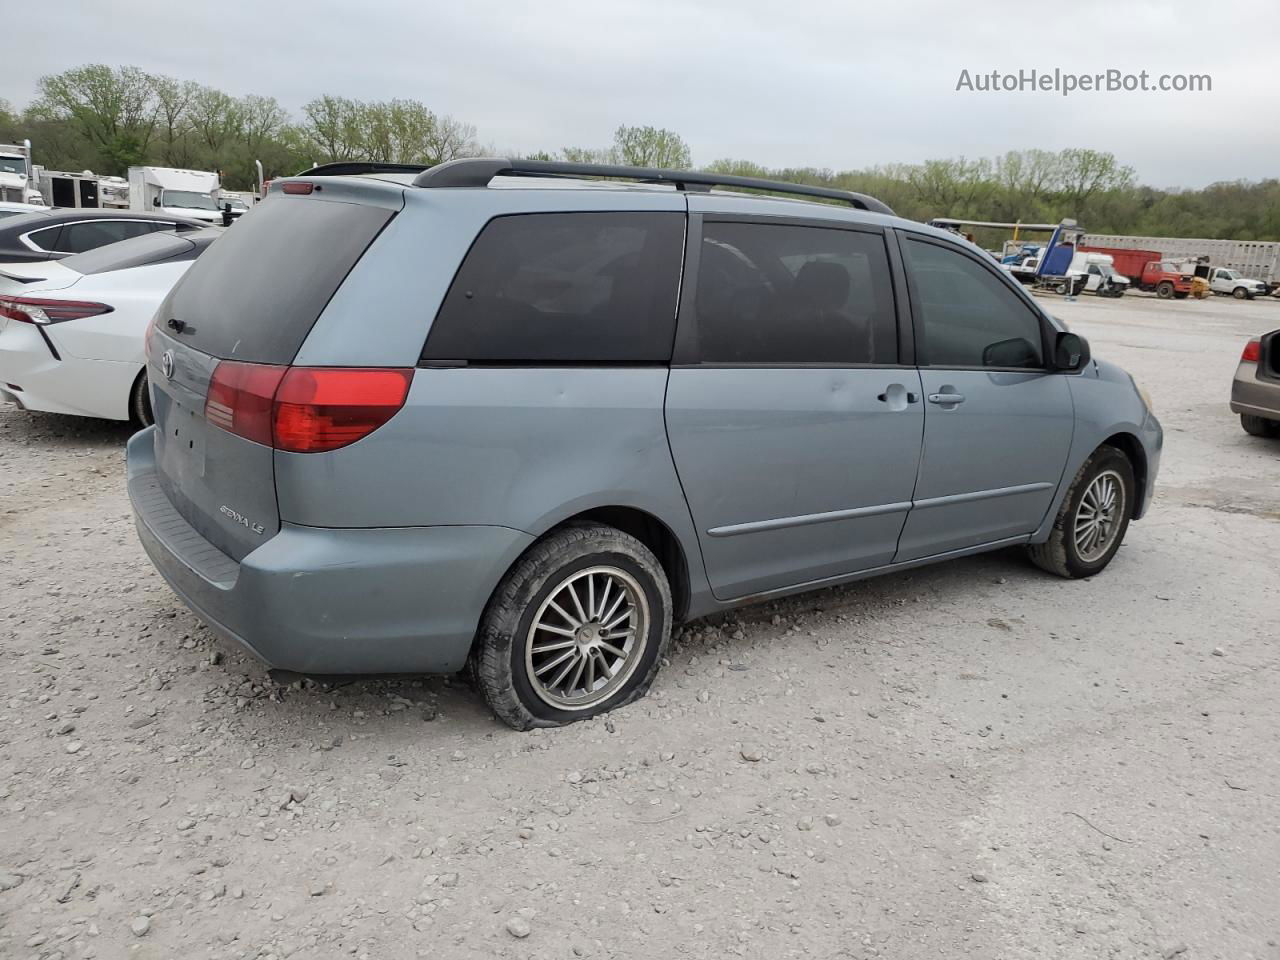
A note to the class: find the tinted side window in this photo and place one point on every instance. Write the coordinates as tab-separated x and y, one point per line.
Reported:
971	319
91	234
775	293
565	288
45	239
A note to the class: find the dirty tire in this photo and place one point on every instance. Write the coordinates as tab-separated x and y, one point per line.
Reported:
498	658
1164	290
140	402
1059	554
1259	426
1240	293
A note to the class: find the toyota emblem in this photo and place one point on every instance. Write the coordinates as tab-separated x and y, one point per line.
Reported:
166	364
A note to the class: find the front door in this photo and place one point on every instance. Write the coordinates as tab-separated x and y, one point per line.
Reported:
998	420
796	434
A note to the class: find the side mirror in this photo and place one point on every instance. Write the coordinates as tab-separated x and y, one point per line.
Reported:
155	201
1014	352
1070	351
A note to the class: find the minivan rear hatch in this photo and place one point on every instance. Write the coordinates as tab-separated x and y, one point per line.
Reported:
237	318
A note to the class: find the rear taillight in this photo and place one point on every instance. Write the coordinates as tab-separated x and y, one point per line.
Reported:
240	398
304	409
320	409
1252	352
42	310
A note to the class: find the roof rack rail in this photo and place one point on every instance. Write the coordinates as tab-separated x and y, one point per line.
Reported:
478	171
353	168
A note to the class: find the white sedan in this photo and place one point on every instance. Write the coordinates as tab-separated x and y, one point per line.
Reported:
72	330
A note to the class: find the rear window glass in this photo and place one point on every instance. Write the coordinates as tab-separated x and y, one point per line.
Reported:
138	252
256	293
565	288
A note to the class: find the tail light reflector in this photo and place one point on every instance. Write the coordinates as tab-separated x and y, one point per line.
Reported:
300	187
304	409
42	310
1252	352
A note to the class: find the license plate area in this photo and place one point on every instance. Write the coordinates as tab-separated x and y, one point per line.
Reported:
181	447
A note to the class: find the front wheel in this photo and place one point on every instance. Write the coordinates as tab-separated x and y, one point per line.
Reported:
1093	518
1164	290
1240	293
576	628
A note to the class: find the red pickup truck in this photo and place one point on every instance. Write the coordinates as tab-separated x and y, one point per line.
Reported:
1147	271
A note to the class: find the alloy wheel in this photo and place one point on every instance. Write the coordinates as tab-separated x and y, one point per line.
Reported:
1097	519
587	637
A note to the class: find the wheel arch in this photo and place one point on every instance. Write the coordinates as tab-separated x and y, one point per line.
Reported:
1131	447
655	534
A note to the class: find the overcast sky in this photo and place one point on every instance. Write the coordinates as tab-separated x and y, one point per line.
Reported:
806	83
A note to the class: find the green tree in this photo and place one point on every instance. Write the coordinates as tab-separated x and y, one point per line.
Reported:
651	147
112	109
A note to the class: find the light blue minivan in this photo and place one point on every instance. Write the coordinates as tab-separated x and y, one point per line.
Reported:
522	416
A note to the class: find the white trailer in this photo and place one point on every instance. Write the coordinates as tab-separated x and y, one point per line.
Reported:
1250	258
17	178
66	188
179	193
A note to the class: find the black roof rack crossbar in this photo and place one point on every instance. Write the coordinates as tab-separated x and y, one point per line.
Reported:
478	171
353	168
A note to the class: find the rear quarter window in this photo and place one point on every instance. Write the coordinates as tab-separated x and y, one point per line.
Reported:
255	294
564	288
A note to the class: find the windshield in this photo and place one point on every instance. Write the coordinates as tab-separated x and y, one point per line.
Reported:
13	165
188	200
1228	275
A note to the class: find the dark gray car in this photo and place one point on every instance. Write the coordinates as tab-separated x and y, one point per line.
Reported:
488	417
60	232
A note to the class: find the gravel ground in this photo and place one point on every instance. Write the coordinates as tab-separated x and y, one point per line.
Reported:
975	758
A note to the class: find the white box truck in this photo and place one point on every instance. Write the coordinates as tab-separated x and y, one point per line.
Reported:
179	193
17	180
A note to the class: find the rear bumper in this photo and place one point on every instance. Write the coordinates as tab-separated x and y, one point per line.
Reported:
33	378
330	601
1261	398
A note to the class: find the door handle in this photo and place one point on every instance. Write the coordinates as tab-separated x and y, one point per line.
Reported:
896	393
946	399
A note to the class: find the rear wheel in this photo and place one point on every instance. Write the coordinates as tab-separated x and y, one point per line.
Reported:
1259	426
140	402
1093	518
576	628
1164	290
